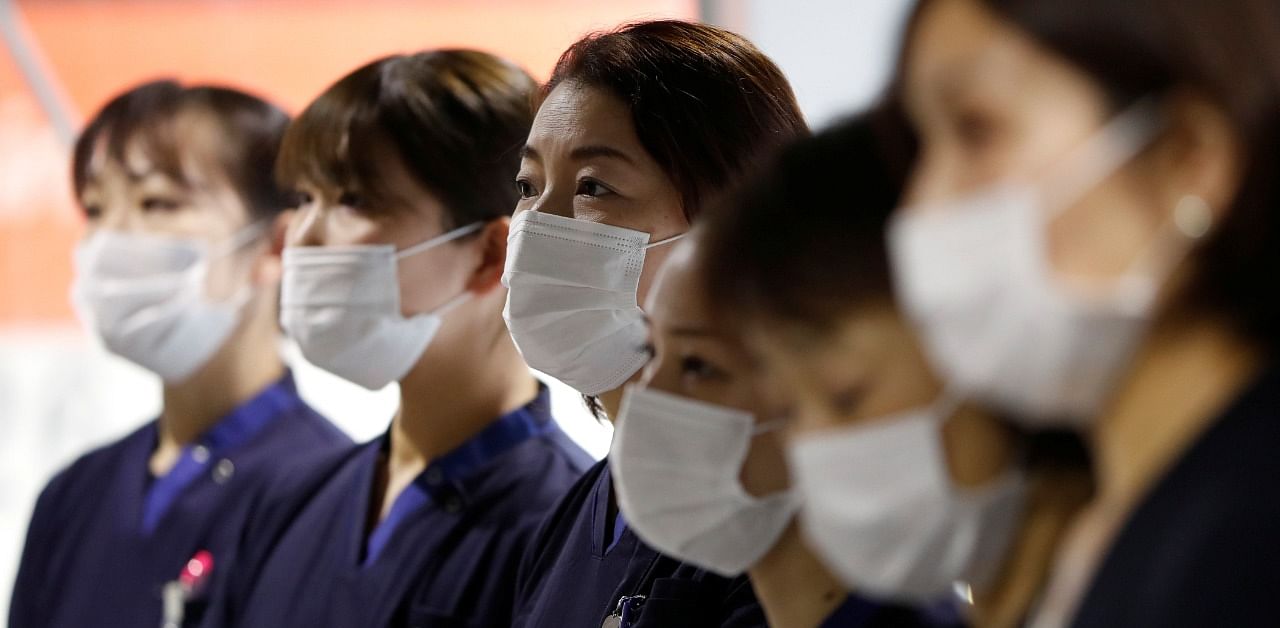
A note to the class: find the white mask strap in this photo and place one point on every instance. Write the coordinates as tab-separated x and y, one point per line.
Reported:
240	239
452	303
440	239
1103	154
772	425
665	240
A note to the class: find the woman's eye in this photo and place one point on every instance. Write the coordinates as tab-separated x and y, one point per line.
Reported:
844	402
525	188
298	198
350	199
159	203
696	367
92	212
591	188
976	131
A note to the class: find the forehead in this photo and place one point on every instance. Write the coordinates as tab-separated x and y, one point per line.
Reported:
959	45
185	149
574	114
678	297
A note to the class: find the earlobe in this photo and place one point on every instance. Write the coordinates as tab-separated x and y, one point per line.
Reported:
270	266
1205	155
487	275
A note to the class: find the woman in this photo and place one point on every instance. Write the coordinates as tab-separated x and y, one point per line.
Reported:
1093	207
178	273
637	130
905	491
402	171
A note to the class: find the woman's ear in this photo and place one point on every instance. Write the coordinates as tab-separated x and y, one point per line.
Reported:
270	267
492	241
1200	155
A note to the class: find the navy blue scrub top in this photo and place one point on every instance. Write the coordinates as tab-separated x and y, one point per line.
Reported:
446	555
576	574
1203	547
106	536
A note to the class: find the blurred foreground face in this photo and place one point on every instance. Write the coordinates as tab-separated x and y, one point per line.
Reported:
991	106
1045	226
868	369
697	461
695	357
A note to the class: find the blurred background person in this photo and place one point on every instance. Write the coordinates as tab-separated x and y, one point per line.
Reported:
636	131
904	489
1087	238
402	175
178	273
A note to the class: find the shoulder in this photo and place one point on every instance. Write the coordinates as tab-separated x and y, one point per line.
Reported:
301	428
86	475
1202	546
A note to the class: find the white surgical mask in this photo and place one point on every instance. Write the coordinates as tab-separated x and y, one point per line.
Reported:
676	464
881	510
973	274
341	304
572	307
144	296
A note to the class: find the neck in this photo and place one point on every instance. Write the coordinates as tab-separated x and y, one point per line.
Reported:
1185	375
460	385
1054	496
245	365
794	588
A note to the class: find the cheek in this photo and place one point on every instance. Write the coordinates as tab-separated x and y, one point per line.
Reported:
429	280
1103	235
765	469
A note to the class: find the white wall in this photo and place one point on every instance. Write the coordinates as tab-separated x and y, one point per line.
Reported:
837	53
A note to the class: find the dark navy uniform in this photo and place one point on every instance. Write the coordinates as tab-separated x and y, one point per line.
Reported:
446	554
1203	549
587	565
106	536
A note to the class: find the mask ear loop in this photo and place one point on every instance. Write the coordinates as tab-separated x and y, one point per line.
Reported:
449	305
438	240
1117	143
665	240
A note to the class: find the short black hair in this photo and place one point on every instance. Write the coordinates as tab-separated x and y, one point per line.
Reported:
249	130
804	240
456	118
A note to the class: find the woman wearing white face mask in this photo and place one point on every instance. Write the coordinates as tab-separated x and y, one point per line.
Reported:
178	274
637	129
904	491
1091	229
392	274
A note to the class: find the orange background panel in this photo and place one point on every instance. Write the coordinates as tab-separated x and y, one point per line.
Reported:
286	50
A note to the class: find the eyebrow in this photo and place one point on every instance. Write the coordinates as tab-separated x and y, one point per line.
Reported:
696	332
582	153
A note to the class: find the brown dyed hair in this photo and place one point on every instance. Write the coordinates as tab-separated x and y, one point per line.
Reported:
249	132
1227	51
457	119
705	102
